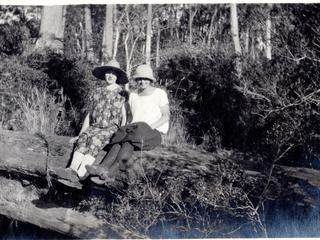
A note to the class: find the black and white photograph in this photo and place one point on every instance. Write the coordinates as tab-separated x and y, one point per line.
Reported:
150	120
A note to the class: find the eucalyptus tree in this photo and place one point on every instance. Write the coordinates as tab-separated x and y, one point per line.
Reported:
134	35
149	34
192	14
52	28
234	28
107	42
268	33
88	33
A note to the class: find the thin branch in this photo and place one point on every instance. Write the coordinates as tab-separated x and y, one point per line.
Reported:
245	91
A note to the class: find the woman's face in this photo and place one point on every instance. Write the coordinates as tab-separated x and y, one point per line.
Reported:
111	78
143	83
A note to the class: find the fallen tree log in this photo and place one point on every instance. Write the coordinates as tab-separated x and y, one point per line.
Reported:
312	176
19	202
25	160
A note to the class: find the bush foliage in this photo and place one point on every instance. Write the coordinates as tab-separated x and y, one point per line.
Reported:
62	85
272	106
12	37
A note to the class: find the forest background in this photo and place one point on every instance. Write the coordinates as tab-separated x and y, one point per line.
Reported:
242	77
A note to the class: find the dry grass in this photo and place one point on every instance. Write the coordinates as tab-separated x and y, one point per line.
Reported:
42	112
177	134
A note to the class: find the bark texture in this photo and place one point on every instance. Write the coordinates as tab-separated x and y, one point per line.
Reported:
88	33
52	28
107	44
235	28
149	35
24	160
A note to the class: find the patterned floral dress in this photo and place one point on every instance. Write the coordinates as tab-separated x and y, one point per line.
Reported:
105	113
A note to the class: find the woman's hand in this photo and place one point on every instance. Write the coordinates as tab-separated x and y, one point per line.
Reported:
73	140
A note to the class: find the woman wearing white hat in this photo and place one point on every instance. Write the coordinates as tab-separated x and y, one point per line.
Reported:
150	120
106	113
150	104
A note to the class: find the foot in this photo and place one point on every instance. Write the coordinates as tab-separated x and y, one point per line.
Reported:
102	181
65	173
84	177
72	184
95	170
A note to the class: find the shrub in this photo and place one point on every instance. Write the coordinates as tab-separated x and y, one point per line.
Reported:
199	82
174	196
12	37
16	78
73	75
273	106
31	100
286	108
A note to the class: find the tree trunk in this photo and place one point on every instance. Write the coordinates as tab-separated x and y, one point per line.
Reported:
211	26
24	160
117	28
191	17
158	46
268	34
23	203
252	47
190	25
83	40
149	34
117	32
88	33
171	21
52	28
234	28
247	40
176	25
108	35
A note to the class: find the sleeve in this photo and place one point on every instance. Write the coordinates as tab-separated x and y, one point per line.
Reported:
132	97
163	98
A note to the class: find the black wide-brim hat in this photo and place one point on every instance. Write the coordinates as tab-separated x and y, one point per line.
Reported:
111	67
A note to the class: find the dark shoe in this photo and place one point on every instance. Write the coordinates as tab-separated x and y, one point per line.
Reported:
75	184
65	173
102	181
97	180
95	170
84	177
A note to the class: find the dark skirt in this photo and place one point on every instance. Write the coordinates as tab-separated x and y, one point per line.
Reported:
139	134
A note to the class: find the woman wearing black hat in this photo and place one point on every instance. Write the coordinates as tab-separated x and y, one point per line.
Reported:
106	113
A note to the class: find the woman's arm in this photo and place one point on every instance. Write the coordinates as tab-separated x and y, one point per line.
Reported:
124	115
85	125
165	115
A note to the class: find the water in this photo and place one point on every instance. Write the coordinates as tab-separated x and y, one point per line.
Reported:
285	220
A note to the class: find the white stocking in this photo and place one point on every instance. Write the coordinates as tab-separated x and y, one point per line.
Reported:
88	160
77	159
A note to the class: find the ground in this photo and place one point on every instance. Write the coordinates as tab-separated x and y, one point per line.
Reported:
180	186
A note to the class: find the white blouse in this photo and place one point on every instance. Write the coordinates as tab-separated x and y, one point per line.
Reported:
147	108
